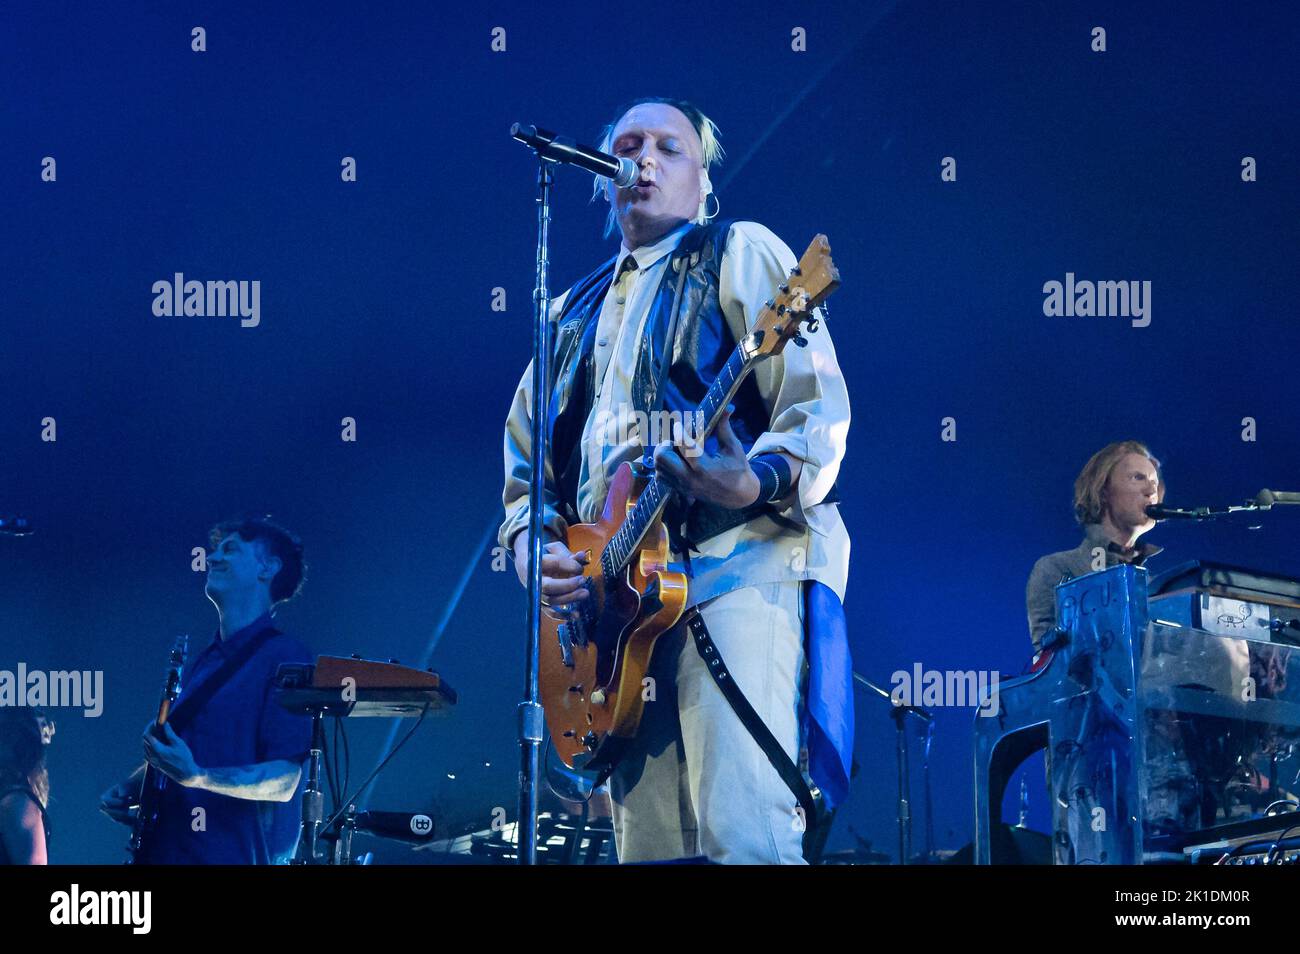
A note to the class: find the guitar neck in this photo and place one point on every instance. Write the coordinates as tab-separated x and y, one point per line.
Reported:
650	504
152	781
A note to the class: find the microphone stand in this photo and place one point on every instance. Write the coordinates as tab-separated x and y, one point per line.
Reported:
531	722
313	799
1206	513
899	714
1264	500
550	150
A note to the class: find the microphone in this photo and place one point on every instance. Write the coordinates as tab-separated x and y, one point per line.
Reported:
549	145
1160	512
1267	498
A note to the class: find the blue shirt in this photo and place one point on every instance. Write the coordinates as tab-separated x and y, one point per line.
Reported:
242	724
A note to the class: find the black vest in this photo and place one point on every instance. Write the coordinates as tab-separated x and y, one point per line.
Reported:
686	310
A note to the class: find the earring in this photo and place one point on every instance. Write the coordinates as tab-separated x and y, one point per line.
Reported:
716	201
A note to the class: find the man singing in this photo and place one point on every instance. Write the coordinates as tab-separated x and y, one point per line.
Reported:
755	524
1111	495
236	761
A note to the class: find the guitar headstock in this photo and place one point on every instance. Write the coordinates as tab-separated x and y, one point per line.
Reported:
812	282
176	665
180	649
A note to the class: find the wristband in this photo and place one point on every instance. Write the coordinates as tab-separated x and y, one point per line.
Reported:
773	473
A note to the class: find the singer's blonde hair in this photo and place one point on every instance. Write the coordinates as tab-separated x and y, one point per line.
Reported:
1090	485
704	127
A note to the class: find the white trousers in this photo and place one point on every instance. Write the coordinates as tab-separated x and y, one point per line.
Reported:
695	781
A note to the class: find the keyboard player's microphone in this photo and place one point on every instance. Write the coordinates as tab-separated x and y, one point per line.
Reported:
1161	512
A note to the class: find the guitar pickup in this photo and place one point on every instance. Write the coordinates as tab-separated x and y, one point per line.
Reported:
578	620
566	644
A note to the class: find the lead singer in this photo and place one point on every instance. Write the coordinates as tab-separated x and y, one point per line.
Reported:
756	525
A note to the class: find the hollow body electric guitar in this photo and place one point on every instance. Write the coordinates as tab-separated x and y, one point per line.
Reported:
593	660
155	782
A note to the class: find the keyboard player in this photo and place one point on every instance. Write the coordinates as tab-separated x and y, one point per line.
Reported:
1111	495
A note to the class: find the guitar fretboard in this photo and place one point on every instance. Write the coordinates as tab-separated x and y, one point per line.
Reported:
623	545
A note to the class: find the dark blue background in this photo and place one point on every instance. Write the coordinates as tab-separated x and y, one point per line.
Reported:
376	305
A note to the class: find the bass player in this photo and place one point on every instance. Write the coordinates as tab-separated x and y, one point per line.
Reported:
234	764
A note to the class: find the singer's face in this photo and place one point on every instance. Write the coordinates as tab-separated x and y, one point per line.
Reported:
662	141
1133	486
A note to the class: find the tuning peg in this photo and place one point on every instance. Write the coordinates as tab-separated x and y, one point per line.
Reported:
800	340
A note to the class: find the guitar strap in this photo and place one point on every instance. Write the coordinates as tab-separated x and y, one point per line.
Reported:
782	762
189	705
682	266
